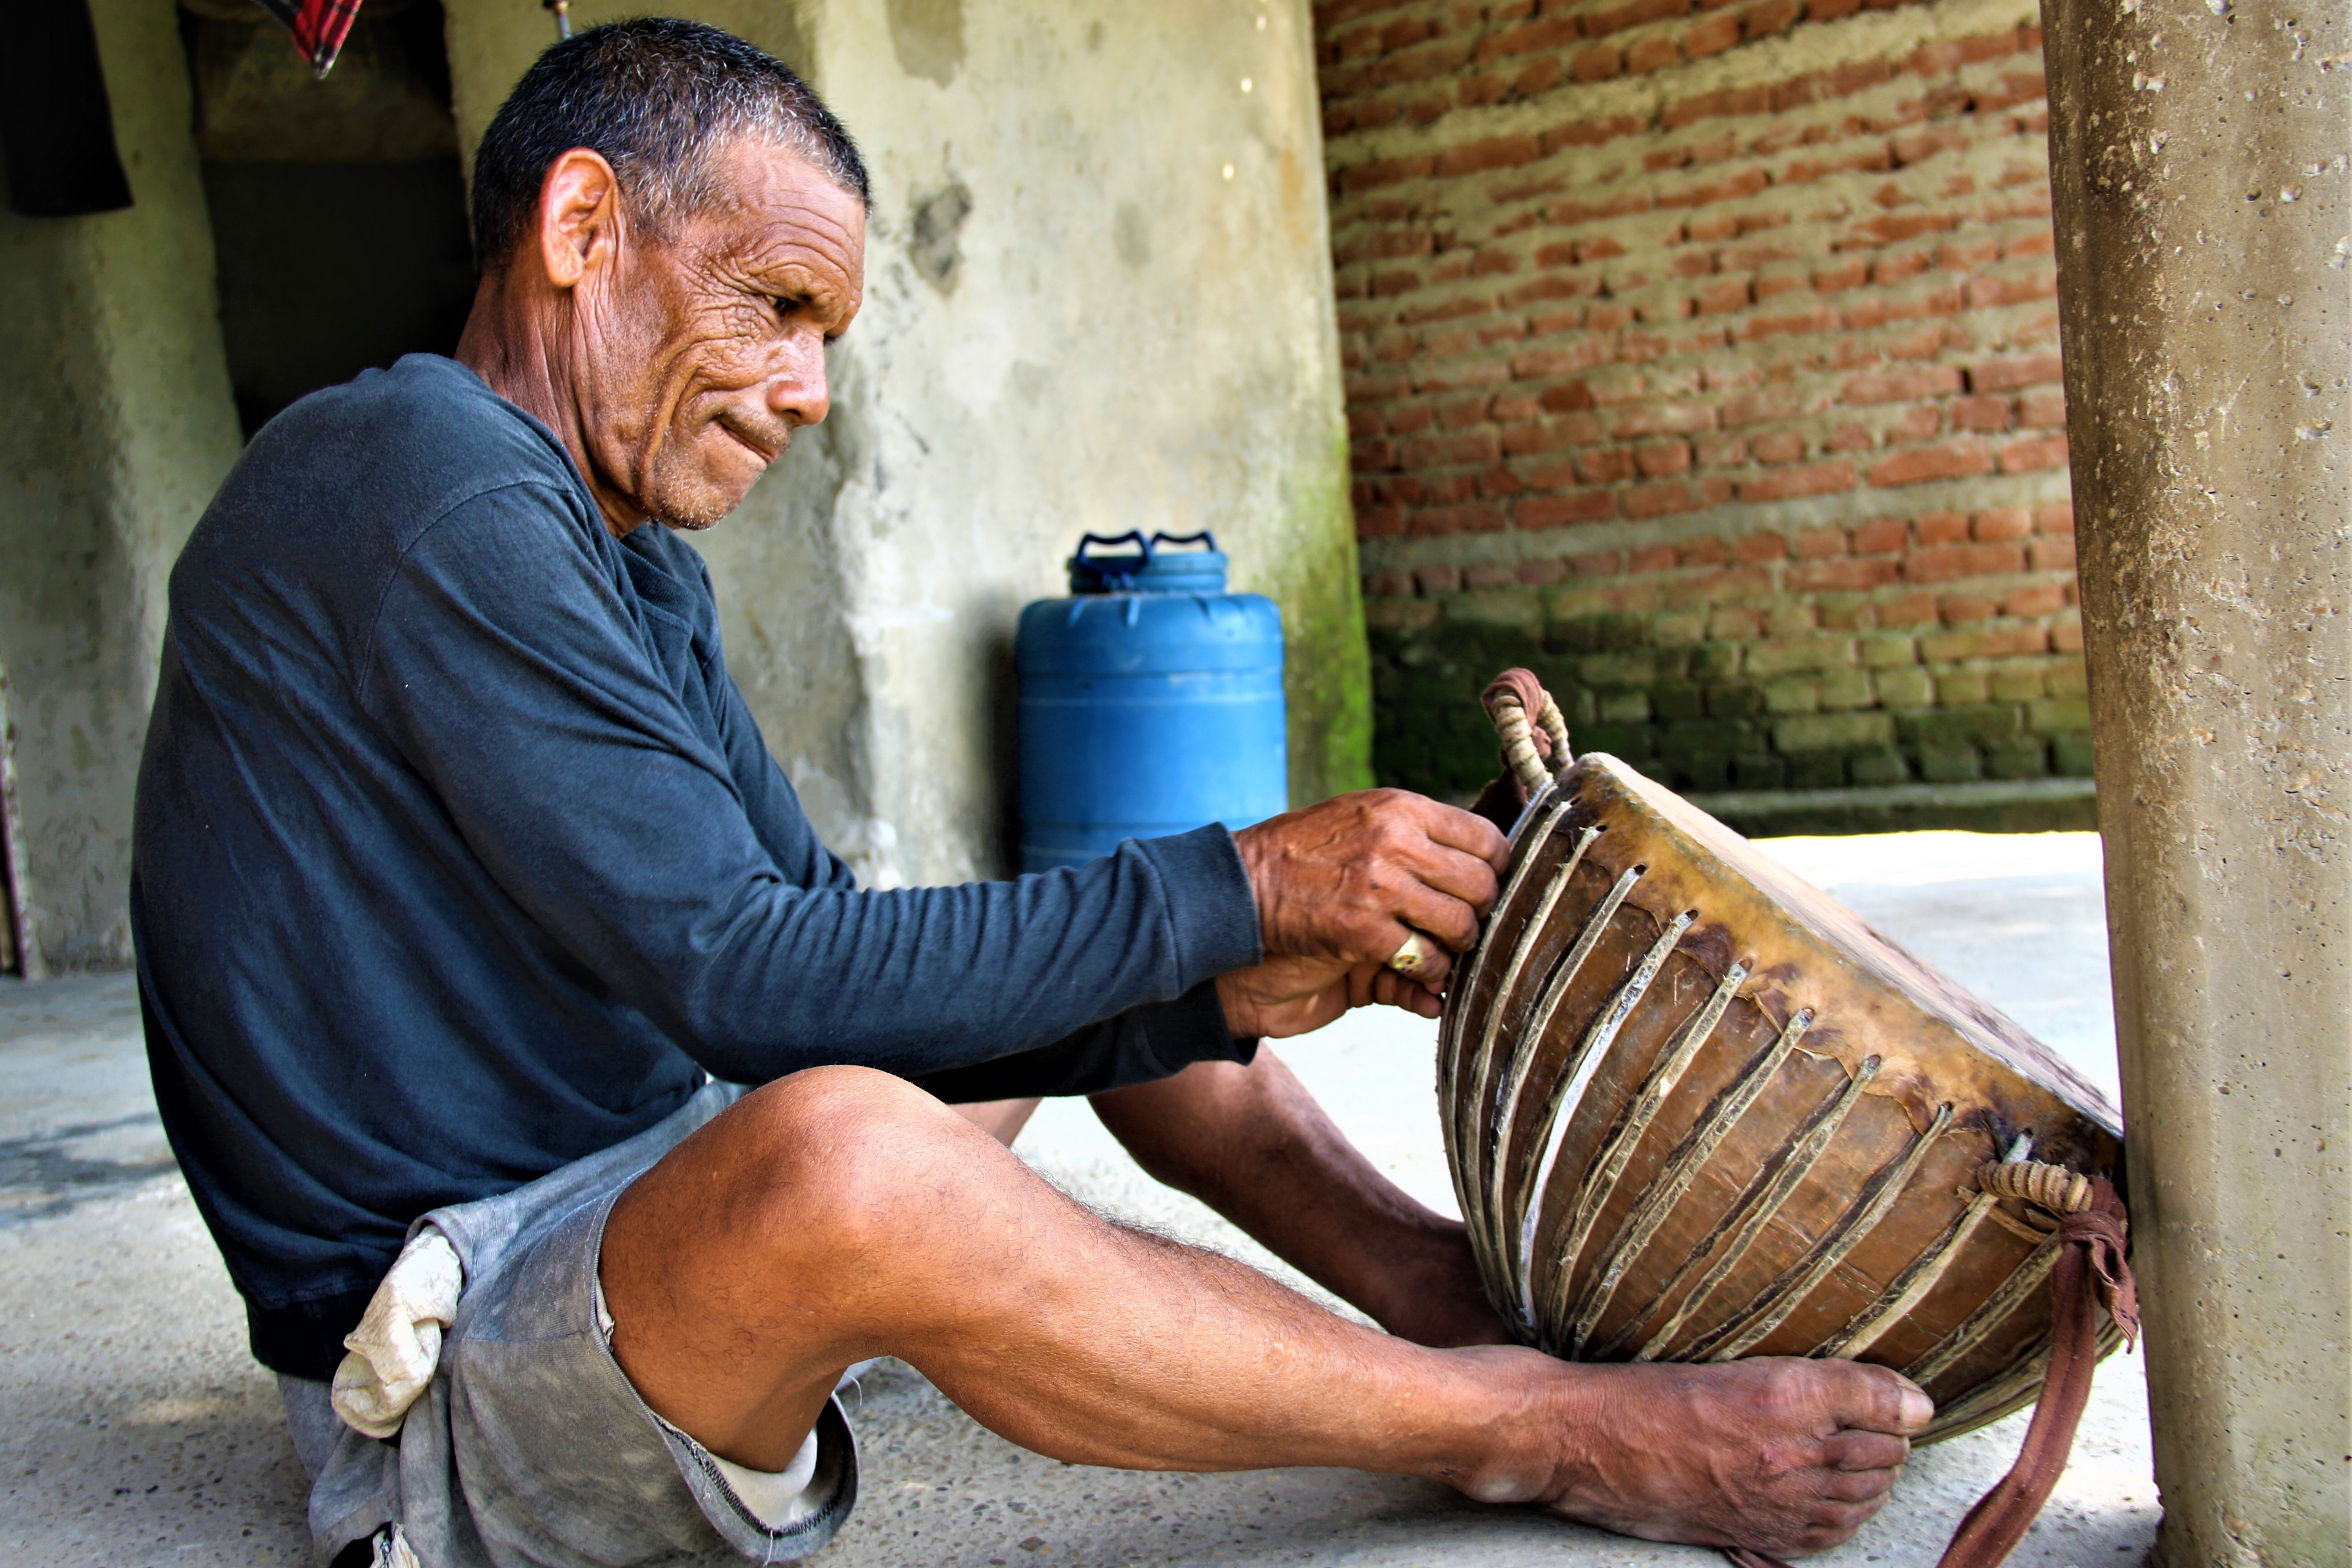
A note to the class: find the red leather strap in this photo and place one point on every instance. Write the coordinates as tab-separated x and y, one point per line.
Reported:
2091	1274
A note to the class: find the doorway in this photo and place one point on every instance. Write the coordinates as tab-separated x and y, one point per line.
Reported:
338	205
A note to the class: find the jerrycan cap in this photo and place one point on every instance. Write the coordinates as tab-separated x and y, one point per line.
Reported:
1150	568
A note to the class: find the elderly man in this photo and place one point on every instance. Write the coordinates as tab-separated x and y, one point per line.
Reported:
468	900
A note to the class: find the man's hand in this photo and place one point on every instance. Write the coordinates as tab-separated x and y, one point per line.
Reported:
1346	882
1285	996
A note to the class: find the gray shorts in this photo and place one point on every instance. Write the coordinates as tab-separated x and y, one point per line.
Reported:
530	1447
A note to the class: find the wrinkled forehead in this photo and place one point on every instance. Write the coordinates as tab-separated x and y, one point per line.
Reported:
769	206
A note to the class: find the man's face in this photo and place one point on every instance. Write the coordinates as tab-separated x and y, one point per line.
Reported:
703	352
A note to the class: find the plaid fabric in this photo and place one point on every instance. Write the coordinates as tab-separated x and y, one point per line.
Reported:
319	27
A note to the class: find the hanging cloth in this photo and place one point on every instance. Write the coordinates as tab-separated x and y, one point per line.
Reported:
319	27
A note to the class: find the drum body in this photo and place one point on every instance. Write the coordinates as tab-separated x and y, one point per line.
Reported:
1695	1109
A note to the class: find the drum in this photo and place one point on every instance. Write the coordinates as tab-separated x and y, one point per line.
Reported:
1695	1109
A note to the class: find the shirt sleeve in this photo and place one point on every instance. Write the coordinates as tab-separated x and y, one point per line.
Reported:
506	665
1141	1045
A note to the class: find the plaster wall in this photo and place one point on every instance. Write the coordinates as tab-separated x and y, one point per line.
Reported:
115	427
1099	296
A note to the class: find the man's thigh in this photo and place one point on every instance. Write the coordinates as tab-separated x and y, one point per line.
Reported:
532	1446
535	1448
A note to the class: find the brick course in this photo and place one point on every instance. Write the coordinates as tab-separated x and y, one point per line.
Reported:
1703	356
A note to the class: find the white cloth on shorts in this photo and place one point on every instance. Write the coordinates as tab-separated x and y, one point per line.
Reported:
398	1343
528	1446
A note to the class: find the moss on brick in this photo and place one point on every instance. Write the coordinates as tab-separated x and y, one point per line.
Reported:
1597	634
1639	701
1735	701
1976	725
2022	757
1883	765
1840	734
1677	702
2064	716
1945	763
1816	770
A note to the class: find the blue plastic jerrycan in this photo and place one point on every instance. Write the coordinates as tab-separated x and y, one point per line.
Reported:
1150	702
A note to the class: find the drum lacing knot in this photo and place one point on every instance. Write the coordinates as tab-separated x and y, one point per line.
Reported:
2053	1187
1531	728
2053	1191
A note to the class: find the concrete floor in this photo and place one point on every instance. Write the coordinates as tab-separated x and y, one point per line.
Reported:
134	1431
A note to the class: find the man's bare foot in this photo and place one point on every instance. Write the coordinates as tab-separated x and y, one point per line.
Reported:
1780	1455
1426	1288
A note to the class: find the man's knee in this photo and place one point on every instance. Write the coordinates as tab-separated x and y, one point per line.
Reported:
844	1152
819	1100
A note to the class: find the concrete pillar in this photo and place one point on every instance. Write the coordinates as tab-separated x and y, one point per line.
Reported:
2200	152
116	427
1099	296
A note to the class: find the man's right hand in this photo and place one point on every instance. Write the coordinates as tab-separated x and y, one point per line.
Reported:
1352	879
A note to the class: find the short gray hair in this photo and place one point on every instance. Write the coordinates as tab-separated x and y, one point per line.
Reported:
655	98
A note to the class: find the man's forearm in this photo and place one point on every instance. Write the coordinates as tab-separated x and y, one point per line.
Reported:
1253	1144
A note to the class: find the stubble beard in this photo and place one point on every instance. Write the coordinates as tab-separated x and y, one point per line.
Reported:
684	497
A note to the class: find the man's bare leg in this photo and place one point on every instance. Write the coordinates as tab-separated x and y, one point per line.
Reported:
1002	1120
1253	1144
840	1214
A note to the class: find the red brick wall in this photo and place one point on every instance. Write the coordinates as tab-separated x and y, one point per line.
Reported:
1707	354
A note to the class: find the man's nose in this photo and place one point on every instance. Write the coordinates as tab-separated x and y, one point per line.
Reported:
800	392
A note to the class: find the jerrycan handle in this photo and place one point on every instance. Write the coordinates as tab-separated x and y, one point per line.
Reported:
1206	540
1107	574
1132	536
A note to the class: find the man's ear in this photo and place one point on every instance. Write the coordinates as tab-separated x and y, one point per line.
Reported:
579	216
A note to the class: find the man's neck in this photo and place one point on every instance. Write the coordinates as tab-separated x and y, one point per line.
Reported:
514	344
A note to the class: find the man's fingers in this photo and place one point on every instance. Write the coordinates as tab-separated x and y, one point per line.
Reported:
1391	989
1835	1523
1376	985
1459	874
1346	879
1463	830
1453	922
1430	960
1467	861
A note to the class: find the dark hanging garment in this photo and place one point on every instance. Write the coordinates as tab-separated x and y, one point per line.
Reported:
56	129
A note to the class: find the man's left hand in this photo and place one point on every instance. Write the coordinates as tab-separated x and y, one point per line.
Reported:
1285	996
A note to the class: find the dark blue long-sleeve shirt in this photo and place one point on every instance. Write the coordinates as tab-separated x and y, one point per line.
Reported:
458	856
